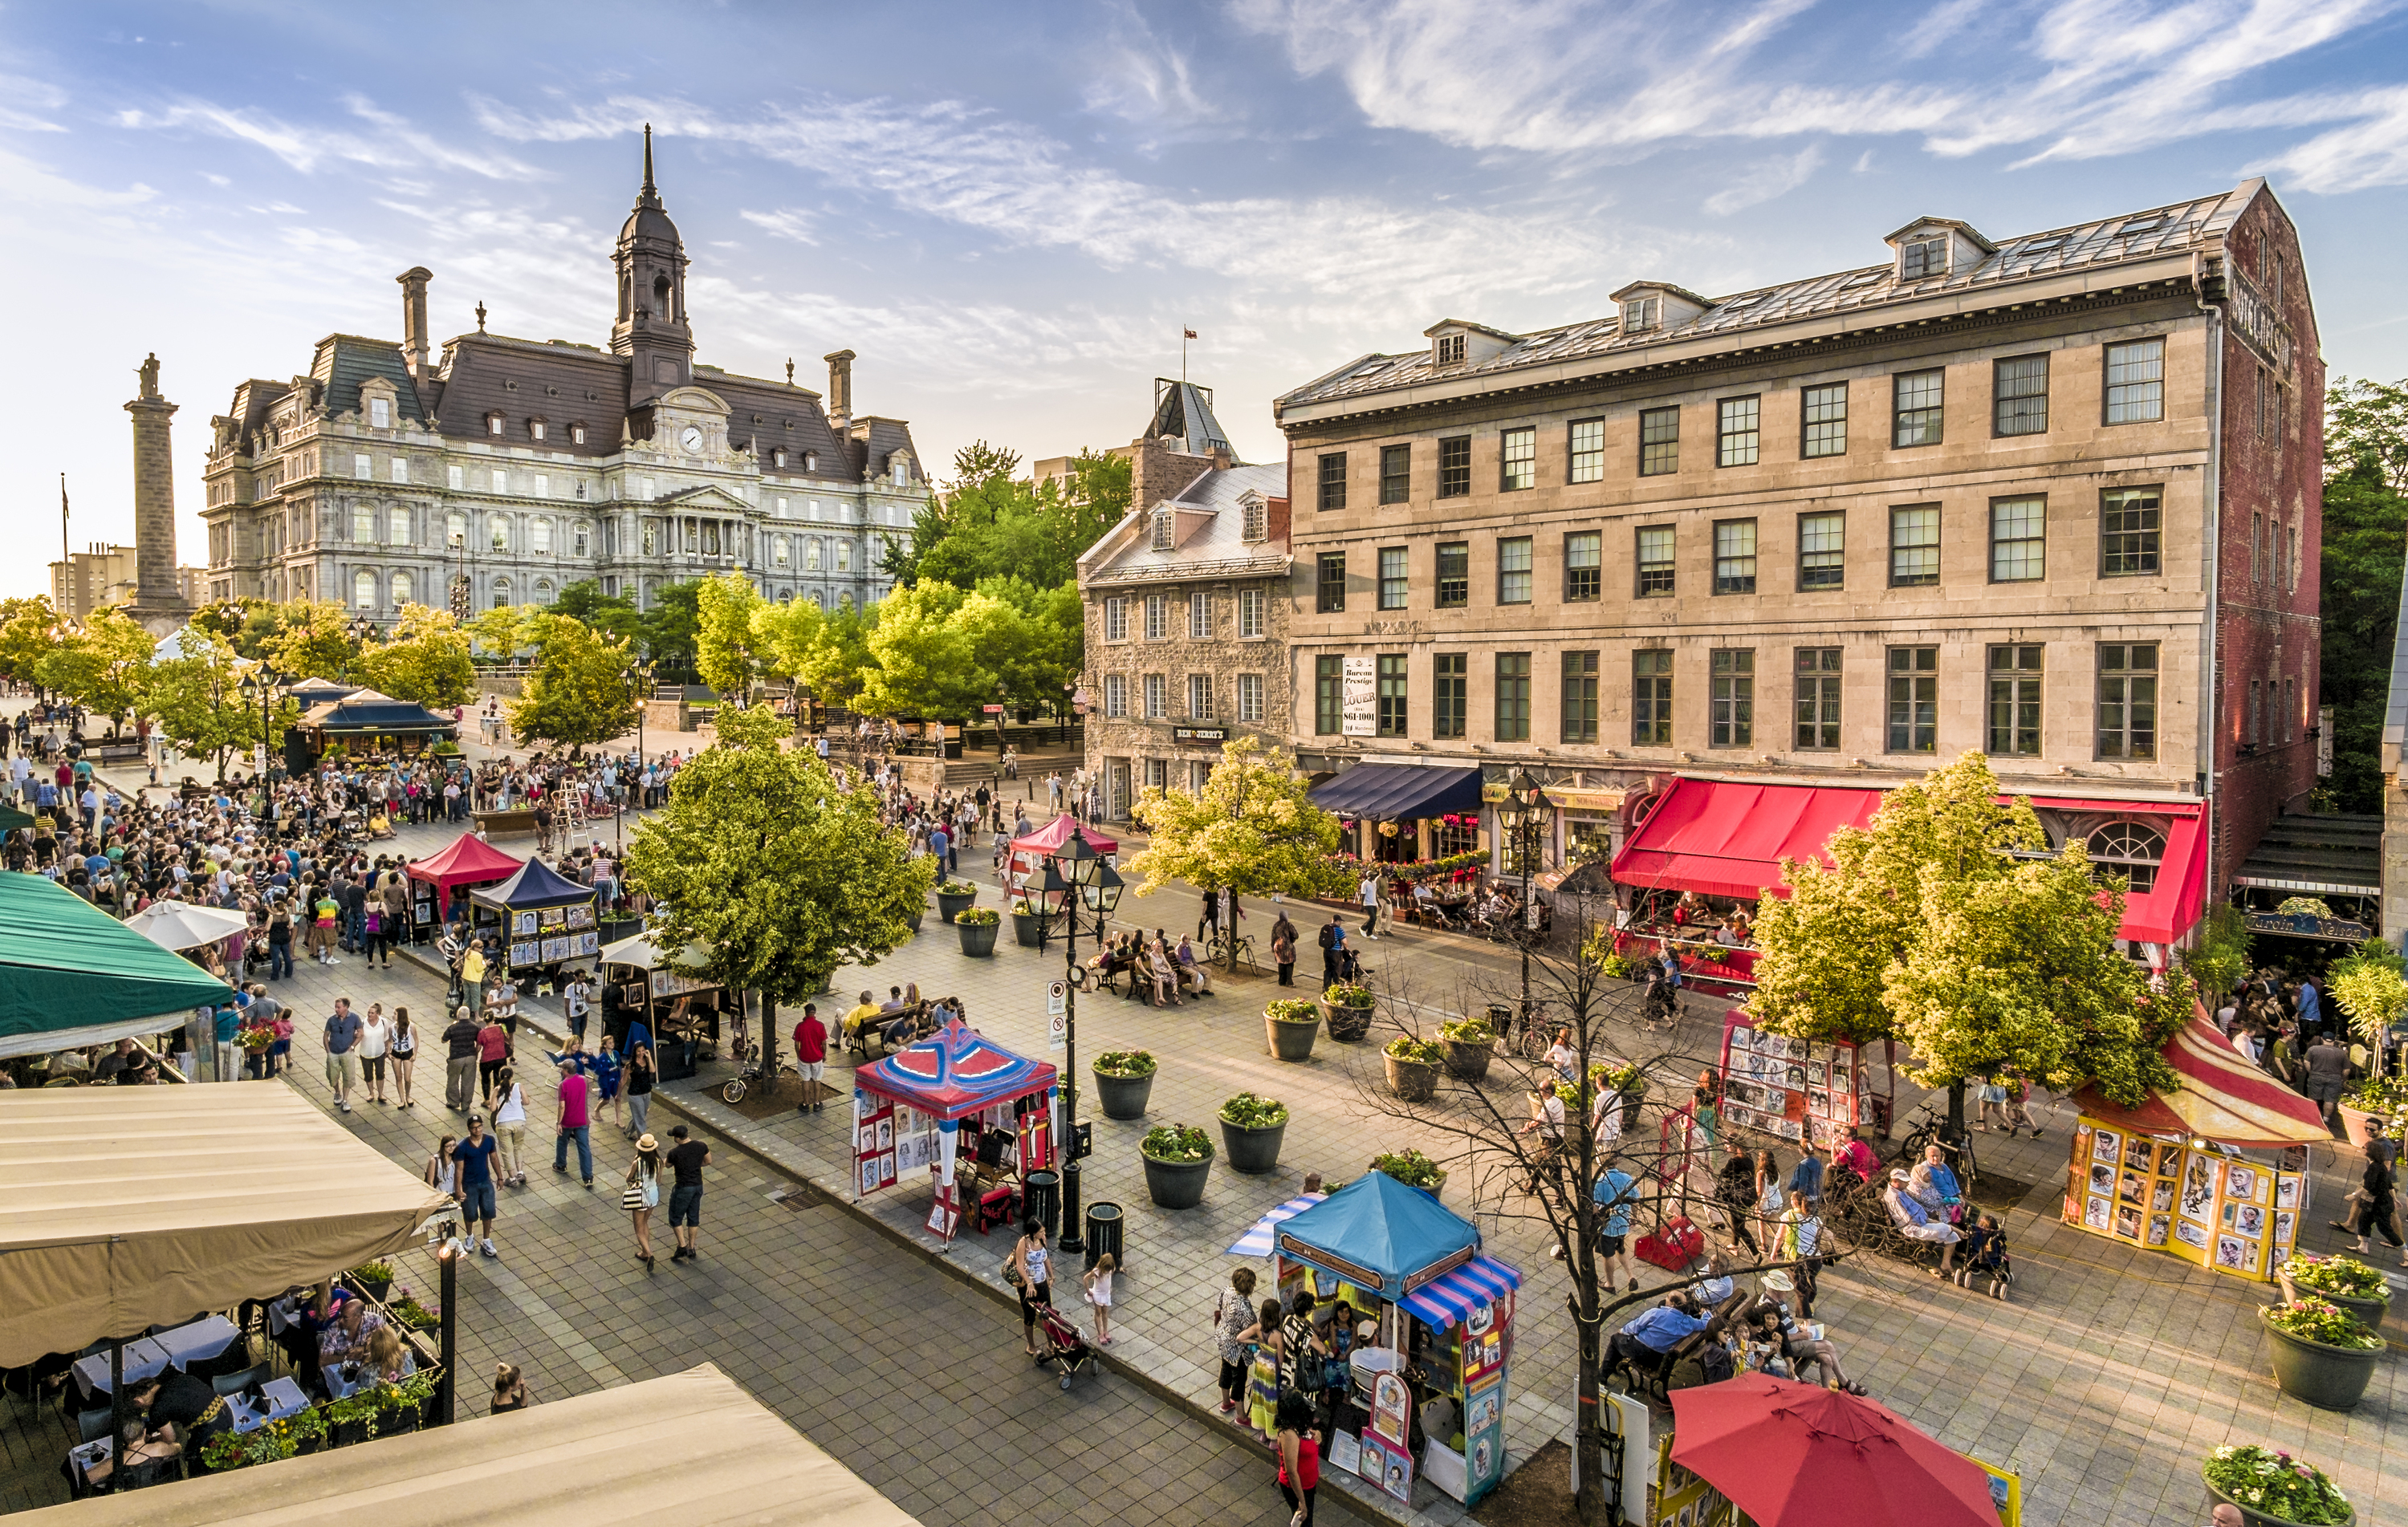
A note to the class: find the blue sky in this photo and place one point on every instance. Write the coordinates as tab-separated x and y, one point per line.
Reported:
1012	212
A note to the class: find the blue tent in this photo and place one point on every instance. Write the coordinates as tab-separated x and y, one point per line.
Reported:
1376	1232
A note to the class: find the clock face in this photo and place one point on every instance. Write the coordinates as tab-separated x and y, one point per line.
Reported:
692	438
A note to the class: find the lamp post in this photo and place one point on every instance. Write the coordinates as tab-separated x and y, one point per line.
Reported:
1524	815
447	1258
263	681
640	676
1079	875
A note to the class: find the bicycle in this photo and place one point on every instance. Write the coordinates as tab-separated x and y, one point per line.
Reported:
1217	952
1929	1129
742	1081
1532	1036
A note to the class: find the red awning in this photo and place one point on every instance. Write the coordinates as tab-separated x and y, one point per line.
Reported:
1722	839
2221	1097
2173	906
469	861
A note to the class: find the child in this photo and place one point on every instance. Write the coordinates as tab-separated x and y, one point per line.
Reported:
1985	1253
1098	1281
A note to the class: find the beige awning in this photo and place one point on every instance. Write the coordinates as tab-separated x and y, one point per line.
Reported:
637	949
691	1449
129	1206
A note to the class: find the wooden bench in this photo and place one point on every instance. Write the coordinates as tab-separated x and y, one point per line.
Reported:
874	1032
516	822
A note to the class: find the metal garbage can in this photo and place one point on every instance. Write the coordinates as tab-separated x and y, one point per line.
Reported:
1104	1233
1042	1200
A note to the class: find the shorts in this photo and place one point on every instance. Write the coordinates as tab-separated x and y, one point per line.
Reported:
685	1205
476	1201
814	1070
343	1071
1609	1246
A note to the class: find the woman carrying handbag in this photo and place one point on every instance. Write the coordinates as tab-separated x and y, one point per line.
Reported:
642	1195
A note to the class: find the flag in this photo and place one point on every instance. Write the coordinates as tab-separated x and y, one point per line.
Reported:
1188	333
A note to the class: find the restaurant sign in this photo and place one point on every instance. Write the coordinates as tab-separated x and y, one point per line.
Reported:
1200	734
1359	706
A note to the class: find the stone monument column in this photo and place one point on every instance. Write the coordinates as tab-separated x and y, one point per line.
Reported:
157	603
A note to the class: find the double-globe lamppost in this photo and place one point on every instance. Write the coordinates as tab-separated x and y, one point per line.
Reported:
262	682
1076	872
1527	815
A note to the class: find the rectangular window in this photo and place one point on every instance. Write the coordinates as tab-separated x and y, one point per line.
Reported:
1822	551
1115	620
542	486
1651	697
2127	700
1157	774
1249	612
1915	546
1824	421
1454	573
2128	532
1579	697
1199	616
1157	616
2257	534
2257	717
1517	459
1659	441
2014	701
1513	570
2136	382
1333	481
1200	698
399	522
363	469
381	413
1392	721
1115	695
398	468
1583	565
1450	686
1396	474
1156	701
1393	581
1250	697
1455	466
2019	396
1818	698
1920	259
2018	539
364	526
501	481
1730	699
1655	560
1737	432
1913	699
1512	697
1734	556
1331	584
1587	460
457	479
1328	695
1915	408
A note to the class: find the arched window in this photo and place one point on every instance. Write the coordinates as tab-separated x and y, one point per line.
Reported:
811	555
2130	850
456	529
399	519
539	534
543	591
364	525
363	590
844	599
404	589
501	593
501	533
581	540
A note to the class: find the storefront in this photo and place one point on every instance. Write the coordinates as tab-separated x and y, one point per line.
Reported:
1405	813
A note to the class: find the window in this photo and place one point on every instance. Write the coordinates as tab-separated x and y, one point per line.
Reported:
1165	537
1913	699
381	413
501	481
2018	539
1655	560
1640	314
2136	382
457	479
1199	616
1915	546
1587	460
1255	523
1824	421
363	590
543	591
1116	695
1452	348
2257	534
1155	705
398	469
2019	396
1333	481
1734	556
1583	565
2290	710
540	535
1250	697
1200	698
398	522
1449	686
1392	722
576	438
1579	697
1331	583
1659	441
1249	612
1818	698
1730	699
501	533
778	550
2257	723
1512	697
404	589
1454	573
1517	459
456	529
1651	697
1396	474
364	468
1455	466
501	593
1328	695
364	525
2128	850
1513	570
1822	551
1915	408
2128	532
2014	701
810	555
1392	577
493	425
2127	700
1157	616
1737	434
1919	258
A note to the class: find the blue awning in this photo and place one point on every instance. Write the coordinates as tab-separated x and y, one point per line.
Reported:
1400	791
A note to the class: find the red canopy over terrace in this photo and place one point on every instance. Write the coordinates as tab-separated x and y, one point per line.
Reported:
953	1074
1041	841
2220	1097
470	860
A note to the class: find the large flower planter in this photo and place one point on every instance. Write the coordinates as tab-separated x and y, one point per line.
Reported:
2356	1124
1630	1102
375	1287
1252	1150
1347	1023
1291	1038
950	907
2252	1517
2370	1312
978	938
1469	1061
1124	1097
1176	1185
2312	1373
1028	930
1410	1080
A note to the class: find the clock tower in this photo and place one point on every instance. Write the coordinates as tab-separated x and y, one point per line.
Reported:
652	329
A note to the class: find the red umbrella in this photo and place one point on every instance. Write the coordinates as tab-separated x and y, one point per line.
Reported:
1797	1455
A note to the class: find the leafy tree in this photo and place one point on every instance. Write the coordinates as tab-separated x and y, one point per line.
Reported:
672	626
988	524
582	689
98	663
312	639
28	630
197	701
725	651
1250	827
2366	425
614	613
826	652
425	660
922	662
2365	528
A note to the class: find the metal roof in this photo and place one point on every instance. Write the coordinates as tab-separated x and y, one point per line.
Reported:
1216	549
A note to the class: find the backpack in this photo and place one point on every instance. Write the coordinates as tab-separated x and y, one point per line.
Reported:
1329	935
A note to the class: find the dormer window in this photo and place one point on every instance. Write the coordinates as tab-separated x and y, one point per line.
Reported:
1919	258
1640	314
1162	529
1929	248
493	425
810	460
903	472
381	413
1450	348
778	459
575	434
535	428
1257	524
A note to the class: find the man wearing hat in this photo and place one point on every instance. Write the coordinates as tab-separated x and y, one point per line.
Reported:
1916	1224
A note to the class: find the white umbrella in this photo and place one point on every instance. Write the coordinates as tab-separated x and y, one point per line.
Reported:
181	925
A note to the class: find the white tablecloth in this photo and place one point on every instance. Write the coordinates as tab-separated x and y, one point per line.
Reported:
284	1398
152	1355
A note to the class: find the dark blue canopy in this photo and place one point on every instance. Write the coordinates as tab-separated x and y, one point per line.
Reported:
1400	791
535	885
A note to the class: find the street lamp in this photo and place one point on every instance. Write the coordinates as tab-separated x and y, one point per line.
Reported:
640	675
1525	813
1079	875
263	681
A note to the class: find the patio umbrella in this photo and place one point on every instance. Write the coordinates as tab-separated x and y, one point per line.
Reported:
181	925
1257	1241
1791	1455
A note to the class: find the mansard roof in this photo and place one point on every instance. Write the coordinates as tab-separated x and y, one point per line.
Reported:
343	360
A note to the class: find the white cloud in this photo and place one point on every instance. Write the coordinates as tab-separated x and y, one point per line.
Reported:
1776	175
1138	76
785	223
25	103
2370	152
395	144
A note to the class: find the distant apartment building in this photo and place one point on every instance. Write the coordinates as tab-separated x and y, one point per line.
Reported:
104	573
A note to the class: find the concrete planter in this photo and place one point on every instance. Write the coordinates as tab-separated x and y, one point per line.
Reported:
1252	1150
950	907
2356	1124
978	938
1124	1097
1349	1024
1469	1061
1028	930
2312	1373
2370	1312
1176	1185
1411	1080
1291	1039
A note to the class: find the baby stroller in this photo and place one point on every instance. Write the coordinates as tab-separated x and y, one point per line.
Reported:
1071	1349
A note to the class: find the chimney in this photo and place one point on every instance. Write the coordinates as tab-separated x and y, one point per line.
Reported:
414	350
840	393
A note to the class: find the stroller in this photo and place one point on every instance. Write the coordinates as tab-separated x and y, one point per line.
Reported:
1070	1348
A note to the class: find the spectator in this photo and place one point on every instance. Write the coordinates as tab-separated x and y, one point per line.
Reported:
475	1155
460	1075
576	1123
810	1055
687	1159
343	1028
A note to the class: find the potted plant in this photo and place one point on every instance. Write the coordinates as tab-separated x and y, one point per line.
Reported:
1412	1169
411	1315
1412	1067
1028	920
1250	1129
2323	1355
1629	1081
1291	1024
978	927
952	897
2275	1489
2358	1290
1349	1006
1614	967
373	1278
1176	1161
2377	1106
1123	1080
1471	1043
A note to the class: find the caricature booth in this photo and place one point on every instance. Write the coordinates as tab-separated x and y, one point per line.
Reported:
1445	1316
468	862
541	920
910	1108
2214	1171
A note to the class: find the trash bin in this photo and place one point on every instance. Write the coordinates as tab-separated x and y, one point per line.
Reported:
1104	1233
1042	1201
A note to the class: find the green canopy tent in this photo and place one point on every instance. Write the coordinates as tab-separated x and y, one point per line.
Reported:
11	818
72	975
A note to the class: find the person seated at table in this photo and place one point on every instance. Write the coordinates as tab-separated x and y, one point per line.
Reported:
1687	909
1192	971
389	1361
1728	936
863	1013
344	1338
1915	1221
149	1455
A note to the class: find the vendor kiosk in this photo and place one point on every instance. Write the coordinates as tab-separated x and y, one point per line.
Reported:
668	997
540	920
470	862
1445	1339
1804	1091
909	1111
1026	864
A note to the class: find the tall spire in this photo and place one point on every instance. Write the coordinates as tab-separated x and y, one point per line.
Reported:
648	190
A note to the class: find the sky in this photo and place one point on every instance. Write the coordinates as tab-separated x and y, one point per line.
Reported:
1012	212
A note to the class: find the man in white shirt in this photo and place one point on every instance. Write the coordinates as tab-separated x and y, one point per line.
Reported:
1369	895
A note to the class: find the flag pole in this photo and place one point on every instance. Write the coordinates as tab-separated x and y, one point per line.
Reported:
65	558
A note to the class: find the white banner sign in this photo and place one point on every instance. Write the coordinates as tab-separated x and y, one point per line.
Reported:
1359	698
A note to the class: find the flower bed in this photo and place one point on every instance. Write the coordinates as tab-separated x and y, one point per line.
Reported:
1405	1048
2322	1321
2329	1276
1251	1110
1130	1064
2275	1484
1178	1144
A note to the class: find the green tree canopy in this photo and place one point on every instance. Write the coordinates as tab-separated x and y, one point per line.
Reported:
2365	528
672	626
197	701
826	652
424	659
99	661
311	639
921	659
29	628
1250	827
612	613
987	523
726	652
582	689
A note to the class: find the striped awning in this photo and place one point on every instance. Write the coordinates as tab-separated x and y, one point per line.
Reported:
1445	1301
2221	1097
1257	1241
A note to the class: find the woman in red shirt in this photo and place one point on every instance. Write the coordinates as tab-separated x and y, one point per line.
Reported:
1299	1456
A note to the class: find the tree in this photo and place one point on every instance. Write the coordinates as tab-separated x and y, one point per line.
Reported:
825	651
614	613
671	626
989	525
312	640
2365	528
425	660
1250	828
197	701
98	661
2366	426
922	662
725	651
582	689
29	628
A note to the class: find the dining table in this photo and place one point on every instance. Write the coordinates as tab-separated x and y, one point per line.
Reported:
280	1398
148	1358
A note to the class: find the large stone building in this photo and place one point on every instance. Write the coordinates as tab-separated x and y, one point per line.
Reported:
510	468
2053	497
